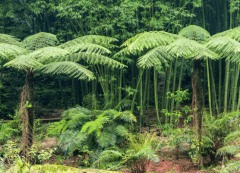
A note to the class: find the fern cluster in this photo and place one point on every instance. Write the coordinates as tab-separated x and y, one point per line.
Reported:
96	129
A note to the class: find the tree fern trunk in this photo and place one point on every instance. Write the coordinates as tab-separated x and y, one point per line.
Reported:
30	109
226	86
199	101
209	89
180	81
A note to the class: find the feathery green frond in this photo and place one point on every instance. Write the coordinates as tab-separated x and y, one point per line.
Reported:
193	32
76	109
231	33
9	39
23	62
8	51
232	167
96	125
69	68
106	139
188	48
148	40
121	130
228	149
39	40
155	56
232	136
49	54
96	39
225	47
93	58
88	47
125	51
127	116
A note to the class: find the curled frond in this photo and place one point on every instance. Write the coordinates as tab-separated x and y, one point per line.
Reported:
155	56
88	47
9	39
225	47
96	39
193	32
188	48
23	62
48	54
39	40
8	51
94	58
69	68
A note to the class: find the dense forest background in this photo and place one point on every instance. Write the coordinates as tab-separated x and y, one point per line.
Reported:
69	19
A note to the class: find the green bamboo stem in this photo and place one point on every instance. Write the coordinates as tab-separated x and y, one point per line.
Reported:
148	98
235	88
214	91
220	85
174	84
226	86
180	81
155	94
134	97
209	91
141	103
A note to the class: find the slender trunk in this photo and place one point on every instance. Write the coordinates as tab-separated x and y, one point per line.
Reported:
30	109
226	86
174	83
235	88
180	81
156	95
199	102
220	86
209	91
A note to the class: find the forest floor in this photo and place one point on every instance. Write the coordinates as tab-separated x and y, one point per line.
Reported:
170	160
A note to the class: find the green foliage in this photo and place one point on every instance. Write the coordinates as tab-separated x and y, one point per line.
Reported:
96	129
135	155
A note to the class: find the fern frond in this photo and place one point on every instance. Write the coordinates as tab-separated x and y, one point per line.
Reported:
48	54
127	116
232	136
94	58
225	47
193	32
9	39
125	51
23	62
69	68
188	48
121	130
228	150
231	33
149	40
155	56
232	167
9	52
88	47
39	40
106	139
95	39
76	109
96	125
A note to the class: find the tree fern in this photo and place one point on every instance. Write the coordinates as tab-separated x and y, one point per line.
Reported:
95	39
231	33
188	48
88	47
8	39
23	62
225	47
149	40
193	32
156	56
94	58
9	52
69	68
39	40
